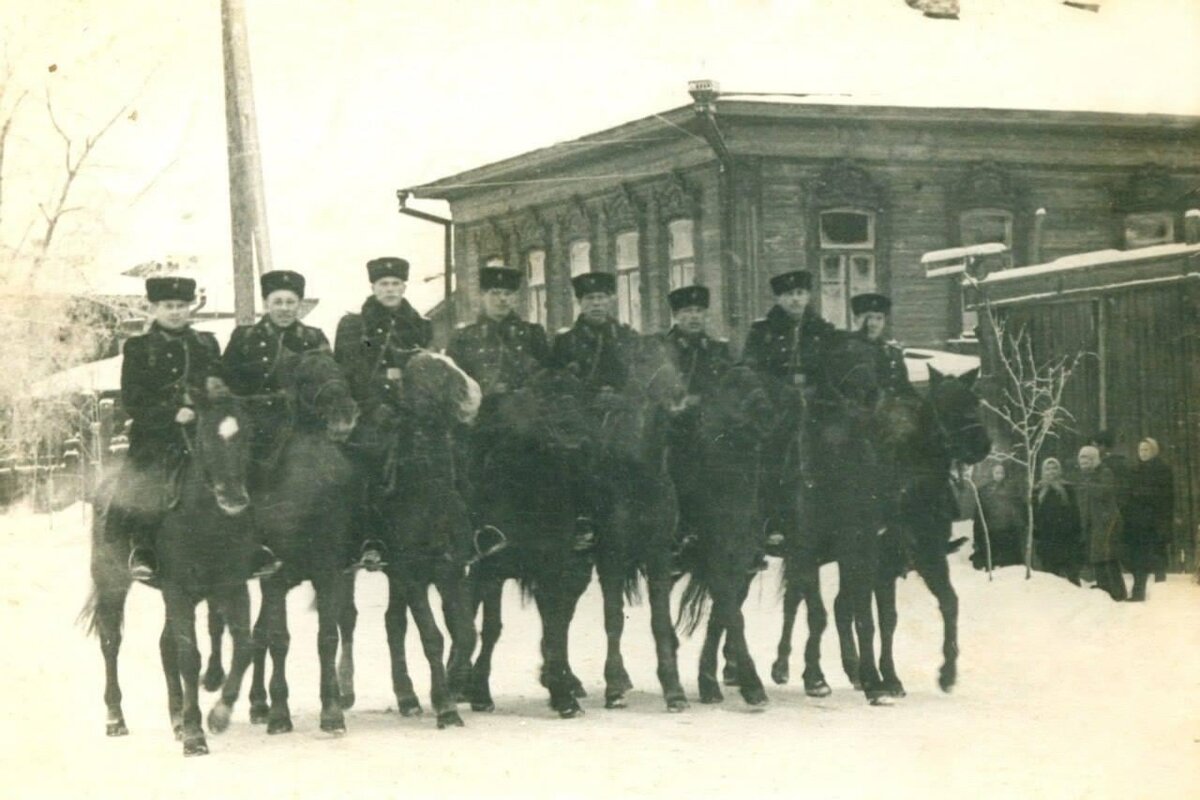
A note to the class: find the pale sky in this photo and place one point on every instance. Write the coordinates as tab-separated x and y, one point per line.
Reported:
357	98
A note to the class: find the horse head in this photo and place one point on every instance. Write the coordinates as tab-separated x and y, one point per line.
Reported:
221	449
549	410
956	410
633	421
322	391
739	411
437	391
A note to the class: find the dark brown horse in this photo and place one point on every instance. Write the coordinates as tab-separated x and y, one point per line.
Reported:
537	442
204	545
638	513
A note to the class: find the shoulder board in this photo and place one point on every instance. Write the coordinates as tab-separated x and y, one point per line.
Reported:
563	330
719	340
462	326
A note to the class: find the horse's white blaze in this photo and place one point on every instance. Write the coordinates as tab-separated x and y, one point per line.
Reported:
228	428
468	407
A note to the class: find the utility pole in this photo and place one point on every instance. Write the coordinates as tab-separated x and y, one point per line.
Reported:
247	200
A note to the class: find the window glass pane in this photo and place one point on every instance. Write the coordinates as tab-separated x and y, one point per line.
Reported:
831	269
1142	230
682	243
627	250
537	267
581	257
862	274
986	226
833	289
683	273
846	229
536	310
629	301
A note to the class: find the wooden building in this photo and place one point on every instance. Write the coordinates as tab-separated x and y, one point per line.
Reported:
729	192
1136	317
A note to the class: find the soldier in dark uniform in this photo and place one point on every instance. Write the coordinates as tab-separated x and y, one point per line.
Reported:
598	349
500	351
252	360
871	313
373	348
787	347
162	372
702	360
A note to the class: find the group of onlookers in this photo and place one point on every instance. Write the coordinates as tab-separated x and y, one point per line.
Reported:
1106	518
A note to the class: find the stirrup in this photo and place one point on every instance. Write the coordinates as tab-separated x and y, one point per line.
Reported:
370	558
270	568
500	542
143	573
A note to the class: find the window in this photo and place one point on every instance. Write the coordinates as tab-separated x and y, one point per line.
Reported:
847	229
1144	230
629	294
493	261
581	257
682	250
535	271
845	269
985	226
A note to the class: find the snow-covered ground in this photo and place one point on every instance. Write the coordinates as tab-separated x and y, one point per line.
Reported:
1062	694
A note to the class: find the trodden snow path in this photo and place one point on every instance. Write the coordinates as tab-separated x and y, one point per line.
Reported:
1062	694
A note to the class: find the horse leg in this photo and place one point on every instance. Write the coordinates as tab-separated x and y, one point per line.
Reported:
433	643
815	684
279	640
260	709
729	673
347	622
457	612
710	687
727	608
935	571
616	679
214	673
885	601
665	642
109	617
234	607
792	597
329	594
856	571
181	618
396	623
168	652
488	593
843	615
556	620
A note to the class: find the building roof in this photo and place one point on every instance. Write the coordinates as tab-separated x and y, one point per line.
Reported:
682	125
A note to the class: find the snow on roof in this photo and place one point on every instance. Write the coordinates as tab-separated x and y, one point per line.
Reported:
1092	259
952	253
918	360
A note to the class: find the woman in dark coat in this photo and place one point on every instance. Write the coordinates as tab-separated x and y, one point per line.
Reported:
1004	515
1056	523
1151	508
1100	522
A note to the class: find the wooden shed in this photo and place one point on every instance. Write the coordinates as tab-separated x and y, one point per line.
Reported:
1136	314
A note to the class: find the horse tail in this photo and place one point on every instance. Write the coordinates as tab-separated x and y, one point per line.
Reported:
693	603
632	589
87	615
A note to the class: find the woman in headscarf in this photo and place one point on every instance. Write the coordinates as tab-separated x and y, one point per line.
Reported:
1056	523
1100	522
1150	510
1001	513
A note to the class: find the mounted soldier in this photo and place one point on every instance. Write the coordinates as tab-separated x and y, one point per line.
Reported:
373	347
500	351
252	363
787	347
162	373
598	349
701	360
871	312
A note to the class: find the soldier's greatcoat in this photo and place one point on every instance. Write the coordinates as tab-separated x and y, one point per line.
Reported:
252	356
499	355
599	354
700	359
890	371
785	350
161	372
370	343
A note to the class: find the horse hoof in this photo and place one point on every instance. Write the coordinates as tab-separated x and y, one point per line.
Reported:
729	678
178	732
817	688
577	686
279	725
410	707
710	692
856	684
946	682
894	688
676	705
214	677
335	723
780	673
260	713
879	699
570	710
483	706
218	718
346	700
116	729
449	719
195	747
755	698
614	701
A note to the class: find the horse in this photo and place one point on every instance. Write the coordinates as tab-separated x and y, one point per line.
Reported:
638	513
428	534
204	546
537	457
734	422
303	507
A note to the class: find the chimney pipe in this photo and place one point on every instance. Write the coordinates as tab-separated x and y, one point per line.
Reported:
1035	246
